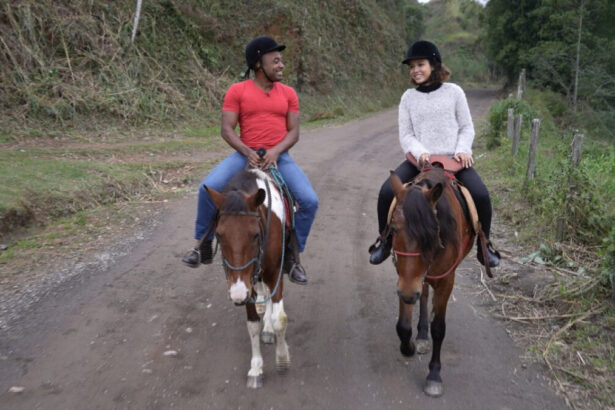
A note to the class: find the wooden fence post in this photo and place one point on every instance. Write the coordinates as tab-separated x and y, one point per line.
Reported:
510	127
531	164
521	85
135	24
577	148
517	133
575	158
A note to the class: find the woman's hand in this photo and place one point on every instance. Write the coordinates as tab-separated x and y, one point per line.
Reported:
424	158
464	159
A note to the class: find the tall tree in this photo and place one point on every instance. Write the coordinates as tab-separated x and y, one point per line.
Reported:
508	31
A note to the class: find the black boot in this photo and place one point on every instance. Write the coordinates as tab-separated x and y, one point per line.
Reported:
295	271
195	257
380	250
493	256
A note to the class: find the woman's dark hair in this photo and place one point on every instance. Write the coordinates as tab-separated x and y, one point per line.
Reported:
439	74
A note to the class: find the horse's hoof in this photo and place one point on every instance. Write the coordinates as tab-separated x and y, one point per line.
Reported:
433	388
407	349
267	337
282	365
423	346
255	382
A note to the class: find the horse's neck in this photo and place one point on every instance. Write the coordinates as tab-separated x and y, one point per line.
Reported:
273	198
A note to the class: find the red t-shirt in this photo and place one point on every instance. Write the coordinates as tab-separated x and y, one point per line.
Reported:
262	116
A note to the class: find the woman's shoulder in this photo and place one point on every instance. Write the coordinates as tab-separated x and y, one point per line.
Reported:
452	88
408	93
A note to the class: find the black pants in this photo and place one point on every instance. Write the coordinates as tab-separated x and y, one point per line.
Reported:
467	176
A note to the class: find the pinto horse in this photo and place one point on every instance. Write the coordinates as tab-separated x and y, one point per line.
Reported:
251	232
431	236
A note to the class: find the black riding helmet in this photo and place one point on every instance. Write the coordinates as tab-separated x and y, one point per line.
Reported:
423	49
257	48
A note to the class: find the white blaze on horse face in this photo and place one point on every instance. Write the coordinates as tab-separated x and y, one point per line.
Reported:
238	292
277	206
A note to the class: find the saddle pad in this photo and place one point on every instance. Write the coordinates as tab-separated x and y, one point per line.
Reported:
471	208
393	204
466	195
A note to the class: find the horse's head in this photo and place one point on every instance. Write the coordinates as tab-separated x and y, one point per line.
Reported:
240	234
416	233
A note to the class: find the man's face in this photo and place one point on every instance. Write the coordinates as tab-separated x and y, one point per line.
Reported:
273	65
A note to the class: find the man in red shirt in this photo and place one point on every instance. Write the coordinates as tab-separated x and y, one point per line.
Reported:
267	113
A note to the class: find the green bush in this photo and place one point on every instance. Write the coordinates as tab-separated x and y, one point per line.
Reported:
498	117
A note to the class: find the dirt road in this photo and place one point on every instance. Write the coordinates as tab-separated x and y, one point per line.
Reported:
99	340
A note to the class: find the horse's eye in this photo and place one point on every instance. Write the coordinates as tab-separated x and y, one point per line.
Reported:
256	237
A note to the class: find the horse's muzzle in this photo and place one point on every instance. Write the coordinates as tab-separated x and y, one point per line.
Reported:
410	300
239	293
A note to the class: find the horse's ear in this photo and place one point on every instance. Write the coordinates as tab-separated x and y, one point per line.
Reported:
435	193
397	185
258	198
217	198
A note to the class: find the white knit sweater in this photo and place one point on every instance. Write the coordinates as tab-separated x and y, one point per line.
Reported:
438	122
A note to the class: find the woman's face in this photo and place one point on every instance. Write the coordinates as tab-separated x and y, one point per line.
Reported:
420	70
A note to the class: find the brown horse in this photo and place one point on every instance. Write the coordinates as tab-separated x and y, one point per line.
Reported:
431	236
252	234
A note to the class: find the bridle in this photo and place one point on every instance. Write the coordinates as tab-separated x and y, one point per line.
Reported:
426	275
263	239
258	258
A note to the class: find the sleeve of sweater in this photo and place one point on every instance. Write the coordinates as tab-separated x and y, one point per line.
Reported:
466	127
407	139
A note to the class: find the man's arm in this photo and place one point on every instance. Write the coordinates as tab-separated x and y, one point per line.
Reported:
291	138
229	124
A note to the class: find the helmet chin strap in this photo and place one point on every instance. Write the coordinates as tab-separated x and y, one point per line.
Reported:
265	73
260	68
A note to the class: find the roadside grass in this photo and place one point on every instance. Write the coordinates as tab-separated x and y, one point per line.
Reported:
51	174
567	320
47	179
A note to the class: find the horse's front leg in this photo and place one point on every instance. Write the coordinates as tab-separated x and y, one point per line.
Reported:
422	336
404	328
280	320
267	334
255	374
434	386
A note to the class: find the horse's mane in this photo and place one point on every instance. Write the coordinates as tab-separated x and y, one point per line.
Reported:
242	183
421	222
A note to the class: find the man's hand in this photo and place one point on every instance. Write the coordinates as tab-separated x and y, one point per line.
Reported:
253	159
270	158
464	159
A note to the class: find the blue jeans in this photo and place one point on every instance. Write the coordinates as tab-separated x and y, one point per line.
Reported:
294	177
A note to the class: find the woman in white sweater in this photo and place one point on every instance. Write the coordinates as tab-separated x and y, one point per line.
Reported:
434	119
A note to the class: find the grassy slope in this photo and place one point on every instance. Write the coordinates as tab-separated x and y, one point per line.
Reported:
88	118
